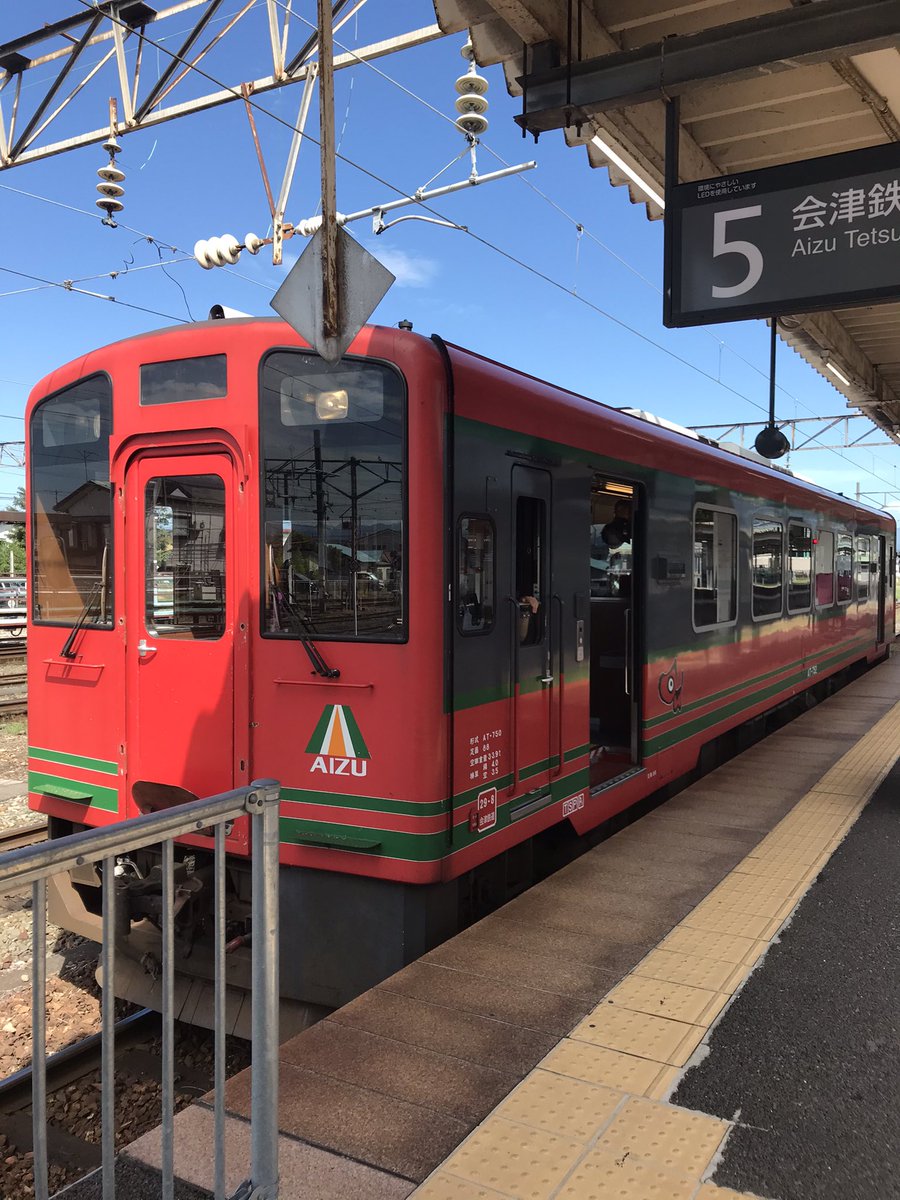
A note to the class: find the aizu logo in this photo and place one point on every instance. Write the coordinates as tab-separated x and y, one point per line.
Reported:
338	744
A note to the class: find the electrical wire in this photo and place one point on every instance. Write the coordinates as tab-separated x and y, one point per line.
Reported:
68	286
582	229
467	230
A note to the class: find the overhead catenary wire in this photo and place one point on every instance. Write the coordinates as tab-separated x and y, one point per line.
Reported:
582	229
68	286
468	231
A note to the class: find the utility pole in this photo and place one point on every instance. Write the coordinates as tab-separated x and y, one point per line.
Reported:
331	299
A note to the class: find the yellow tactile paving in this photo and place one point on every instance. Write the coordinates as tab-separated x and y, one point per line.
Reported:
559	1104
450	1187
603	1176
710	973
718	904
591	1122
673	1138
681	1002
726	947
526	1163
656	1038
612	1068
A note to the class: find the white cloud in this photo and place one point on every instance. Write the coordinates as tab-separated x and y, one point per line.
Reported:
410	270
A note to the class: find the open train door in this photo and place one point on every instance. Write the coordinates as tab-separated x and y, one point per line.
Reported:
615	627
882	588
180	616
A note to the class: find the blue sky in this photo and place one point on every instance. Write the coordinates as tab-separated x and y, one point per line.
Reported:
197	177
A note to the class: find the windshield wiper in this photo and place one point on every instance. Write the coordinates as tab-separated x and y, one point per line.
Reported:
320	666
67	650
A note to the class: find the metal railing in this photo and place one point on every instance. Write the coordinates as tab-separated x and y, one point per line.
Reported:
35	864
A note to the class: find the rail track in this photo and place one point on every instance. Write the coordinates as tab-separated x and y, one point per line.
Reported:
16	707
28	835
10	648
73	1093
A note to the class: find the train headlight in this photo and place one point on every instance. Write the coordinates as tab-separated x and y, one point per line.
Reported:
332	406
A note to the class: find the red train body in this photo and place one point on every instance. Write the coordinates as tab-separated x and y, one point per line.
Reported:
448	606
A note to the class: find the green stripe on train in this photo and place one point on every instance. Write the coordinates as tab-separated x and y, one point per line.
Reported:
73	760
836	654
664	741
405	808
414	847
73	790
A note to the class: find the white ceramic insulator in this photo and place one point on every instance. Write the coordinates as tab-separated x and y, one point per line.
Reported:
111	173
472	104
200	254
472	123
311	225
308	226
253	243
468	51
467	84
217	251
111	205
110	189
228	248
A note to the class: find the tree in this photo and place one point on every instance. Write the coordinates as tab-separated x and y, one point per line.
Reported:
17	540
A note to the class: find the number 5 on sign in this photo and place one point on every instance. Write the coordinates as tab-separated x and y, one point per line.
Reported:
721	245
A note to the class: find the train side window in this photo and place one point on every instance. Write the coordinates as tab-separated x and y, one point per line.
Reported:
185	557
863	568
824	568
71	506
768	555
715	567
475	597
530	542
843	568
800	543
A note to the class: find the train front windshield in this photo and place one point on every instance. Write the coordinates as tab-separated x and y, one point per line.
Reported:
333	465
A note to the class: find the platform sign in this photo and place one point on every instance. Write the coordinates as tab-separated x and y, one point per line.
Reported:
819	234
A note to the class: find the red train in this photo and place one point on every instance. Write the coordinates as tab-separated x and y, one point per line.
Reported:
456	611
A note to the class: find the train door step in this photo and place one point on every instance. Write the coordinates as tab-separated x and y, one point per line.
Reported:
530	804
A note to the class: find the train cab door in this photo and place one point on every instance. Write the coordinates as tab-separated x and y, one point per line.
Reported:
531	650
881	585
180	616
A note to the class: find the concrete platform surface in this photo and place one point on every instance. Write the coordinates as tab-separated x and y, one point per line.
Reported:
533	1055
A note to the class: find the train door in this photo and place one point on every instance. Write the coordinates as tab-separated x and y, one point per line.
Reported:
179	623
531	651
614	626
882	588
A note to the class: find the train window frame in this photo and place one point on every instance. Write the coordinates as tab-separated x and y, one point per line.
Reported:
489	627
33	601
762	518
864	593
349	639
736	568
799	523
844	535
822	604
188	398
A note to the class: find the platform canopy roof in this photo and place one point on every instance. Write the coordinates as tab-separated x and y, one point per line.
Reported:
761	82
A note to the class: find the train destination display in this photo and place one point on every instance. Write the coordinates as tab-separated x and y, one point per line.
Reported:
818	234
